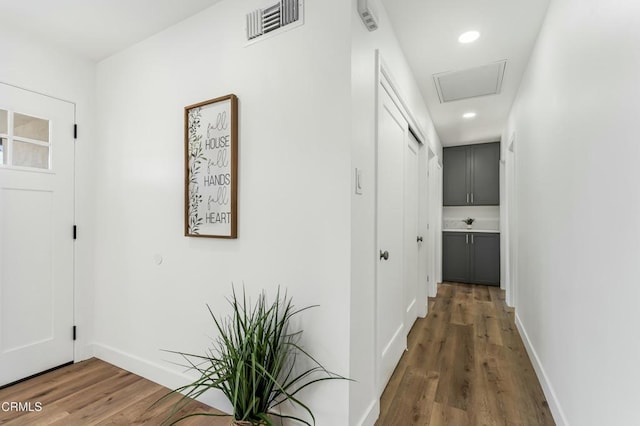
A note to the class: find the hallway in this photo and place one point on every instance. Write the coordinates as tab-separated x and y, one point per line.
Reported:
466	365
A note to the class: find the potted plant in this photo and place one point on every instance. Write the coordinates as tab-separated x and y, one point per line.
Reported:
255	362
469	221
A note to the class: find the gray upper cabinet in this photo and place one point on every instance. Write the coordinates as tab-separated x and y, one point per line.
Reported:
485	166
471	175
456	176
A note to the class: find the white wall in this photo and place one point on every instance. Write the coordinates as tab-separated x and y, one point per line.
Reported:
363	396
294	181
577	152
43	68
486	217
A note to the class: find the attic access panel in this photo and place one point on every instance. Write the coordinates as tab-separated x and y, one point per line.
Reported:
470	83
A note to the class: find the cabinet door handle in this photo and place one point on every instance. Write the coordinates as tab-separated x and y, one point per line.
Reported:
467	198
472	239
466	238
472	198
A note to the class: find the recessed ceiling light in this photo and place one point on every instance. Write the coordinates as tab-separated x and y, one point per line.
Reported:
469	115
469	37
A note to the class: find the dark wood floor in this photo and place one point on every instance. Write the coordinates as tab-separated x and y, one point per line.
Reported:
94	393
466	365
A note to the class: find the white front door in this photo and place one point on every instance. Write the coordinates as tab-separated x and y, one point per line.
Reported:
392	139
36	239
411	232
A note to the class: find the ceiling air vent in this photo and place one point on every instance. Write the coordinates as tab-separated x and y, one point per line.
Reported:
285	14
470	83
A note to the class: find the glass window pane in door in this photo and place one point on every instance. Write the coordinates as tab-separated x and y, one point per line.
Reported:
27	154
25	126
3	121
3	149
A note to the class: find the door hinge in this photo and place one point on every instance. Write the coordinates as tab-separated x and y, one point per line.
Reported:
74	333
75	232
75	131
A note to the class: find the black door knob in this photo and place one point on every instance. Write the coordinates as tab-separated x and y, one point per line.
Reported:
419	239
384	255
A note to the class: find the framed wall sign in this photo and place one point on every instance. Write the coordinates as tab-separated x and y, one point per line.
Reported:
211	168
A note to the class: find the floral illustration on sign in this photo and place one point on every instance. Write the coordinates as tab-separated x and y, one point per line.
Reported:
196	158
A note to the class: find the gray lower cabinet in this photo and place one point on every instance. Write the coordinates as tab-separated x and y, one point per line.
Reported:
456	266
471	257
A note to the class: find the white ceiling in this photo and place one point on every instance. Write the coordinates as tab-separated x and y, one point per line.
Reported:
95	29
428	31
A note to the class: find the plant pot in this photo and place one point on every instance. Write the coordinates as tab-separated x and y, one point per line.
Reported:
235	422
468	226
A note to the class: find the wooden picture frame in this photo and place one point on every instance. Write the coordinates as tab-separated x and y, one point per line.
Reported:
211	168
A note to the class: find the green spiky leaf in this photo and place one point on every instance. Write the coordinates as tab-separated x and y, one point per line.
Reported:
255	362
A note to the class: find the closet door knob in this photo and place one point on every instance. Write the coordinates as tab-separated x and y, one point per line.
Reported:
384	255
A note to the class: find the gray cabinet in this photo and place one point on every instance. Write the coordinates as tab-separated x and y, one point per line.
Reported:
485	172
471	257
485	258
456	176
471	175
455	257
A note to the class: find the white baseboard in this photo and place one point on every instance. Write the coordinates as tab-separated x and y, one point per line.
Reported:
371	415
156	373
552	399
391	355
423	310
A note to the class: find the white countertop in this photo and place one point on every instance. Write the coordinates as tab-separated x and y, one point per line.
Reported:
479	231
480	225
